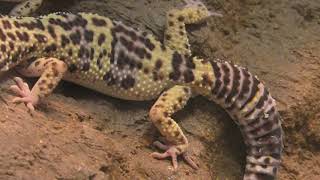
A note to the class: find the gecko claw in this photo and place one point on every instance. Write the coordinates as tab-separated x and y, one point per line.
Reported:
22	90
173	152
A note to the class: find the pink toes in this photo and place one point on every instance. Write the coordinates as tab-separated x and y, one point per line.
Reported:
173	152
27	100
22	90
189	160
170	152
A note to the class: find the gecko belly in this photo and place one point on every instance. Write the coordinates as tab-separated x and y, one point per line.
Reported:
142	91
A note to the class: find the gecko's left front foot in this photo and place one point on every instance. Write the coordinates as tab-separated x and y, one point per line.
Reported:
22	89
173	151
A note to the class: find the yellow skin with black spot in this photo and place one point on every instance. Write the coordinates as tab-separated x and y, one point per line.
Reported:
24	7
117	60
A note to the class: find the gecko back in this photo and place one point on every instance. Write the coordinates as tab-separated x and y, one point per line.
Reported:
122	61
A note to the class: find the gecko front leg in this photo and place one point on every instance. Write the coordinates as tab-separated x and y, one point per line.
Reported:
175	98
168	103
50	70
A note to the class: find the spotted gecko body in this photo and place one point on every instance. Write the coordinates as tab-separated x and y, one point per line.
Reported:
120	61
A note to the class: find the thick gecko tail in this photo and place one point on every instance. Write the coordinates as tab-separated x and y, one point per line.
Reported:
263	136
252	107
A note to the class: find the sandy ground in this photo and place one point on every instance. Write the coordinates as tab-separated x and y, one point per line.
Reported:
79	134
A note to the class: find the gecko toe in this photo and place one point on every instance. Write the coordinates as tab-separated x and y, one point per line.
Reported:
22	90
173	152
189	160
28	101
30	106
16	90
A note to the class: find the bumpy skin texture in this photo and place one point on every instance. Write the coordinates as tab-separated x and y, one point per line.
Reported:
114	59
25	7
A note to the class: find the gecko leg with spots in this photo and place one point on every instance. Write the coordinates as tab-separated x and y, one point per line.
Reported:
175	98
50	70
168	103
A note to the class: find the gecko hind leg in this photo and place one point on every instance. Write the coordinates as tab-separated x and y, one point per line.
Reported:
160	114
50	70
26	8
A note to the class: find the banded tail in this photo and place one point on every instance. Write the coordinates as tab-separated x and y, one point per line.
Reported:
251	106
246	100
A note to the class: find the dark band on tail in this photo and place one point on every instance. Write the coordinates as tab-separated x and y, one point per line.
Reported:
250	103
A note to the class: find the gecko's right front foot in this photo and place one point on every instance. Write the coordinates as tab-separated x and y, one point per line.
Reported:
22	89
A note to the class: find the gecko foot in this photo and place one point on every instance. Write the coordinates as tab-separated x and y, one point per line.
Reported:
172	151
22	89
